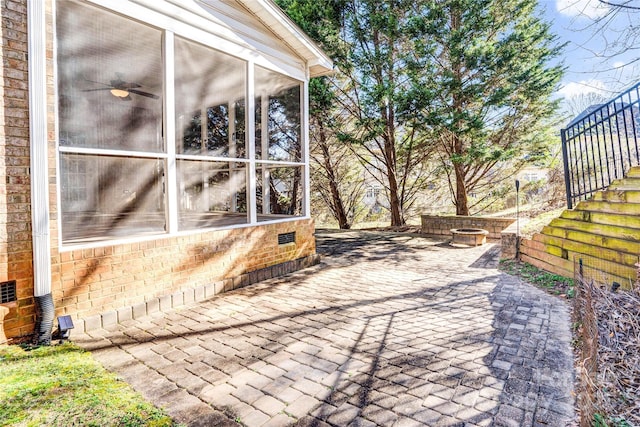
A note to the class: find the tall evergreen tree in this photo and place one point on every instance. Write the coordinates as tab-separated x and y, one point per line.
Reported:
486	79
469	79
385	124
331	178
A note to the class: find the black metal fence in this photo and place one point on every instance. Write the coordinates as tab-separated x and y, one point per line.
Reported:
601	144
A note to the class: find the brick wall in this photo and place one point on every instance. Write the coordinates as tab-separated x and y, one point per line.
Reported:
15	209
99	280
441	225
91	282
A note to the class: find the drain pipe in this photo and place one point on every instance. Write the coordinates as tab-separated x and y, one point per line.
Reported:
36	26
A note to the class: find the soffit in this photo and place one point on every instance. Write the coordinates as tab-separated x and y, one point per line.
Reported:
282	27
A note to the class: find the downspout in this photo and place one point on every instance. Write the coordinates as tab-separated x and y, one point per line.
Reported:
37	54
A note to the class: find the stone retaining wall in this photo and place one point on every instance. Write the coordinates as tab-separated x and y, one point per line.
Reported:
441	225
509	240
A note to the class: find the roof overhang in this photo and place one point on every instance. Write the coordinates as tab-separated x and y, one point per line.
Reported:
286	30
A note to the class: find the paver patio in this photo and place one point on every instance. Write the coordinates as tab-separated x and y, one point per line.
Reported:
389	330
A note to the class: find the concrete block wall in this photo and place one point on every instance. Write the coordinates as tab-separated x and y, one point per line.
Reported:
509	238
441	225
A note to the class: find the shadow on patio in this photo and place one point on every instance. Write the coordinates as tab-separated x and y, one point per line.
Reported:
388	330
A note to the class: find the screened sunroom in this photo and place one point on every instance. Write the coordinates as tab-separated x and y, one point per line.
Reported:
177	117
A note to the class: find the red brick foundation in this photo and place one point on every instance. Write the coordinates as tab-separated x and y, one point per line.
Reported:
93	282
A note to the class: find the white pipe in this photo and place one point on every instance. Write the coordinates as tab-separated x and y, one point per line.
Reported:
37	48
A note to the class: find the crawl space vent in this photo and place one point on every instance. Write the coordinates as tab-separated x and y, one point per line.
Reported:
7	291
285	238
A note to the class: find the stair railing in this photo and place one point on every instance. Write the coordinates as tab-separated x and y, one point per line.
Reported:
600	145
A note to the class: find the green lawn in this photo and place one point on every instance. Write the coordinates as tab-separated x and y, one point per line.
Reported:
64	386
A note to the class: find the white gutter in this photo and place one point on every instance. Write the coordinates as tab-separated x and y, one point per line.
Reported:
37	49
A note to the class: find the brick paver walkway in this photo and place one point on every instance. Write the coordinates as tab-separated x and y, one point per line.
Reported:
389	330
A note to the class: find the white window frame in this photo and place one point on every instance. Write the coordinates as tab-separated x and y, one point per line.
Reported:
171	27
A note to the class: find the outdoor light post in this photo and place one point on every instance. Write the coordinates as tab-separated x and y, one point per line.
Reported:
517	218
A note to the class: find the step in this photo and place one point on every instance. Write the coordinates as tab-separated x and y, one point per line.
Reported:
625	233
614	208
628	221
617	196
629	183
583	248
616	244
634	172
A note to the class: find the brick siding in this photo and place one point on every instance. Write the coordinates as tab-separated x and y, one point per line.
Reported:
15	196
93	281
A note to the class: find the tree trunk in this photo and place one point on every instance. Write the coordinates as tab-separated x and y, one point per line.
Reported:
338	210
394	201
462	206
395	204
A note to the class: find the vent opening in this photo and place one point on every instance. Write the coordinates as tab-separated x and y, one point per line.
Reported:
285	238
8	291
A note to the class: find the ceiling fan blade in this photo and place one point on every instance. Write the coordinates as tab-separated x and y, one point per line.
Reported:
93	90
121	84
147	94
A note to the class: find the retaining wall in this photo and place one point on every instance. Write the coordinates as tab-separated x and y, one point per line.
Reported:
441	225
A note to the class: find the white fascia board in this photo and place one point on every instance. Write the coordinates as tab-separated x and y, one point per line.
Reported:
275	19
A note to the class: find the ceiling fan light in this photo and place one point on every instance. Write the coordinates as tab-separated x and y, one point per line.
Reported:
120	93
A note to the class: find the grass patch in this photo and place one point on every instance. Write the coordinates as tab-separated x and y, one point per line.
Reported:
64	386
552	283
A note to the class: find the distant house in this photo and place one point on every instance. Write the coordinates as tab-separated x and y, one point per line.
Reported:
142	141
532	174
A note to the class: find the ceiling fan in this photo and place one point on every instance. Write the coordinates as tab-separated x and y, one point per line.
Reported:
121	89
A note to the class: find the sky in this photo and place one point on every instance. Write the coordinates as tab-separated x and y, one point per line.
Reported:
589	54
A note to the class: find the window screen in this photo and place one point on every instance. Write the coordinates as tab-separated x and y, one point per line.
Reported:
110	122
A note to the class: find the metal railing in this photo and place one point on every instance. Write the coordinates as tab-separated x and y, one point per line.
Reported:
600	145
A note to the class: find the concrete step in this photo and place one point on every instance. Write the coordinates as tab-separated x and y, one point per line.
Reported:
606	207
617	196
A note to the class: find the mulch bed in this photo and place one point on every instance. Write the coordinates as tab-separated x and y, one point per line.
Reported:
608	331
